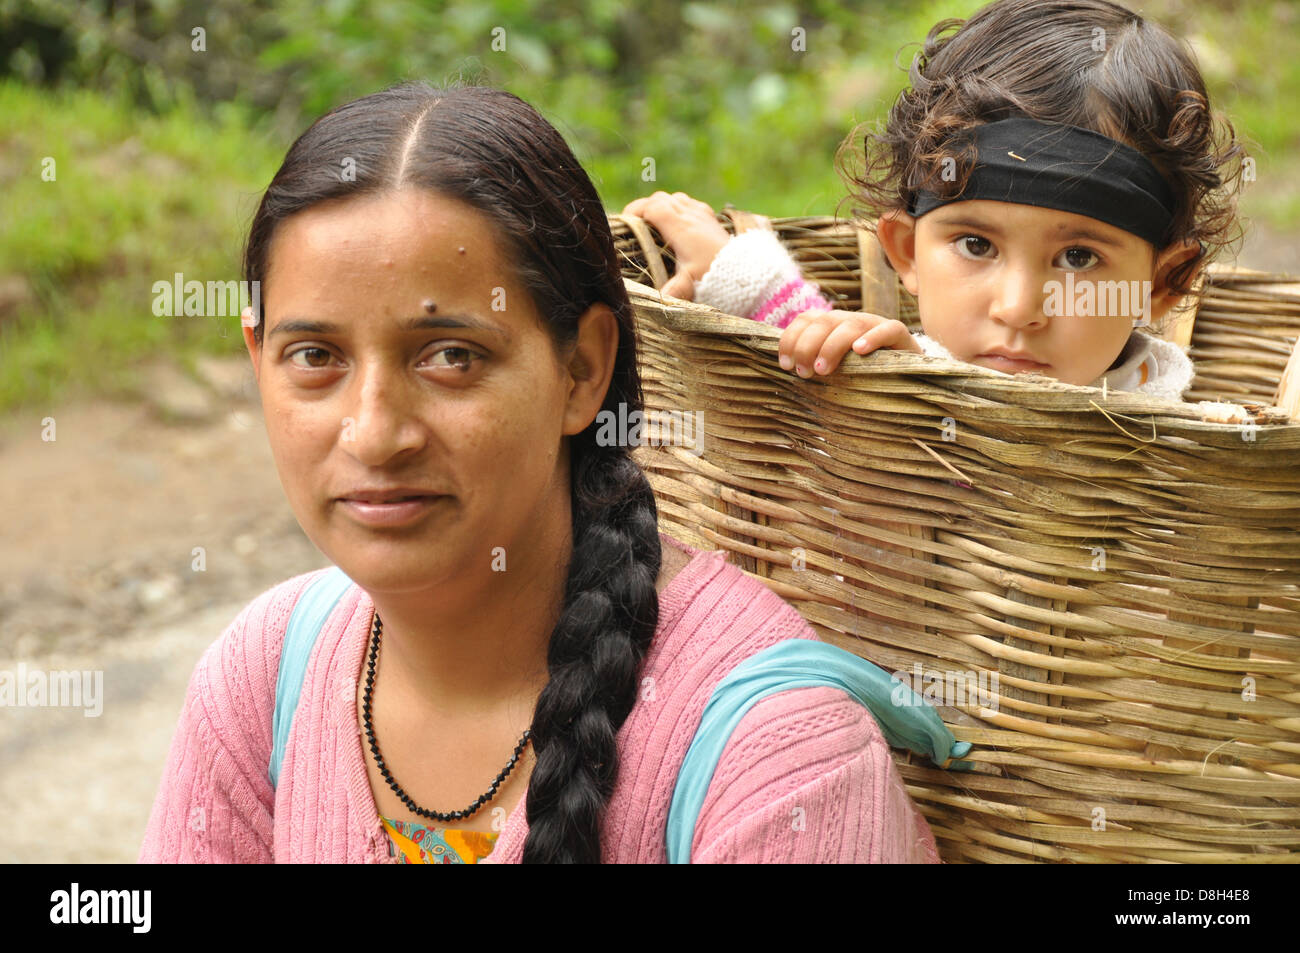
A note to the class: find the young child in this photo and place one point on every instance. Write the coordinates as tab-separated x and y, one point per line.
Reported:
1048	184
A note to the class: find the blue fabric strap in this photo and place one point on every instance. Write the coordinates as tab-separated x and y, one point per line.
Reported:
309	615
905	718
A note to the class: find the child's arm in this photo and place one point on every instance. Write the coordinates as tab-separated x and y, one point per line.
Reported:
753	276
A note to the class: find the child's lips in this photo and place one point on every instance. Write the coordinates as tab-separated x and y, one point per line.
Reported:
1002	362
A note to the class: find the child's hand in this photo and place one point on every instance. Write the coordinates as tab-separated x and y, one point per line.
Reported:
691	230
816	341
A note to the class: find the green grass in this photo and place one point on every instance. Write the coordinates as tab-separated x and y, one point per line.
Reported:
133	200
138	197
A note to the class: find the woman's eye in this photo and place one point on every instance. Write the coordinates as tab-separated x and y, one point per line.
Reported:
964	243
458	357
311	350
1073	255
465	355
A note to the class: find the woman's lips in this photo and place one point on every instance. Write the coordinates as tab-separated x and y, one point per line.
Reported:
396	513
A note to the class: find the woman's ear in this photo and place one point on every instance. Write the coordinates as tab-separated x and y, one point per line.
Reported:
248	323
590	366
896	232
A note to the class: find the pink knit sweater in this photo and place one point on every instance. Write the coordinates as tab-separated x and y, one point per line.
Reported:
806	776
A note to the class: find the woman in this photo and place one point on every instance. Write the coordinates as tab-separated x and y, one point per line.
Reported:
518	597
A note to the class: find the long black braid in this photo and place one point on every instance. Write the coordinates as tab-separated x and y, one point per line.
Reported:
610	612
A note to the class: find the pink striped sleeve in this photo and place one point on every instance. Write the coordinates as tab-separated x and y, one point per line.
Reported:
807	778
755	276
789	301
215	803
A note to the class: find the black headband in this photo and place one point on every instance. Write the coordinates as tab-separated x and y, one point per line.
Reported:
1068	168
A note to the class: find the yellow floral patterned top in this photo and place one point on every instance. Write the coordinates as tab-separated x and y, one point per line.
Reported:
413	843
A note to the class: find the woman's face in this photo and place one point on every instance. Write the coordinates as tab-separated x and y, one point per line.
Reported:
363	385
996	276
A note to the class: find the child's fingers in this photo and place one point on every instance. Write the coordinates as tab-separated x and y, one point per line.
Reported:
655	206
790	337
849	335
638	207
842	339
890	333
634	207
806	342
679	219
695	205
678	203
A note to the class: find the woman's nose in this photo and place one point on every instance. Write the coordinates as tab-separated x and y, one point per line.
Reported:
382	420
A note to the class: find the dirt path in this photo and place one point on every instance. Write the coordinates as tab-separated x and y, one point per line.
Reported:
97	573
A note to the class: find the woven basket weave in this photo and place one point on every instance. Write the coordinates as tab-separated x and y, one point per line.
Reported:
1128	571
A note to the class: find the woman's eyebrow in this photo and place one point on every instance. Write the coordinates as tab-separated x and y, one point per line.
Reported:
1062	231
296	325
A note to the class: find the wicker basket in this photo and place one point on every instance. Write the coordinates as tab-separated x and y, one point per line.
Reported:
1101	592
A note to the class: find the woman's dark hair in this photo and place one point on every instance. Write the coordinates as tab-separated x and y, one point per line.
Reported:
1087	63
490	149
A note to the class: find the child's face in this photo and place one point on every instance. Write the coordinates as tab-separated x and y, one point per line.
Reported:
982	273
468	401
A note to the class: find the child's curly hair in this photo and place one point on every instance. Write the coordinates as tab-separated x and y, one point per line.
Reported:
1087	63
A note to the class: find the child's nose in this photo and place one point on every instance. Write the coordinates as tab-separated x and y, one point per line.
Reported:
1018	300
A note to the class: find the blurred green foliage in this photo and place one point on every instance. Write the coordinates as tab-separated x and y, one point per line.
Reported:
167	117
705	88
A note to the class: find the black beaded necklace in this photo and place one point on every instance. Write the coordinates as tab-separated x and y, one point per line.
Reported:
405	798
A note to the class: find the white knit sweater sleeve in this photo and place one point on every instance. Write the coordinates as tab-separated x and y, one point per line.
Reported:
749	269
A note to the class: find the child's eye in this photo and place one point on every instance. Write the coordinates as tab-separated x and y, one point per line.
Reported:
963	244
1084	253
